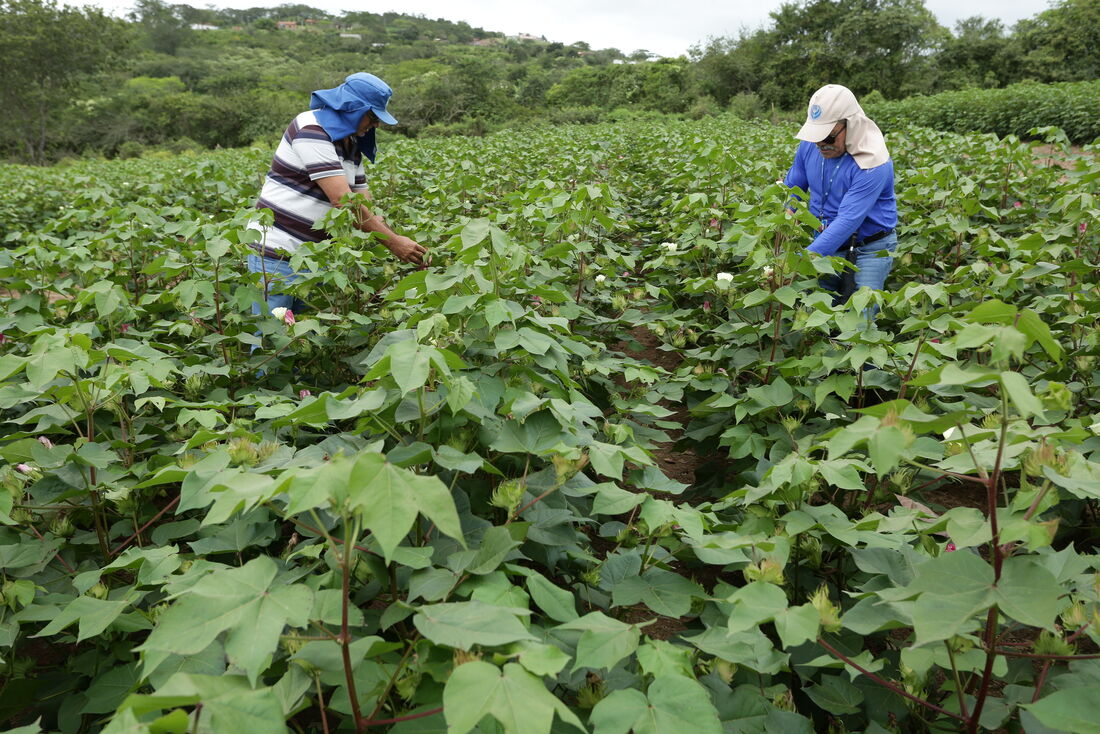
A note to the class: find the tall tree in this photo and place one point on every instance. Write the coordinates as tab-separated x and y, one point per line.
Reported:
1062	43
163	25
46	52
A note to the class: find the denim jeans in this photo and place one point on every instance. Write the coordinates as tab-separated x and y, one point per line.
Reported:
873	262
277	273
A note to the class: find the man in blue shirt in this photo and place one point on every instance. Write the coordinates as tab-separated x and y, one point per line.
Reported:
844	163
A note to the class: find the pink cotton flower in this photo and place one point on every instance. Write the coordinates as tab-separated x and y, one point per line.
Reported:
303	394
950	547
24	468
45	442
1082	227
721	370
706	306
1018	204
2	337
283	314
714	223
123	328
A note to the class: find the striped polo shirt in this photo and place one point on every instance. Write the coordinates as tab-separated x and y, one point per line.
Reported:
305	154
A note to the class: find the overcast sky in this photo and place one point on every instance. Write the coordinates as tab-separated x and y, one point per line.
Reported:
666	27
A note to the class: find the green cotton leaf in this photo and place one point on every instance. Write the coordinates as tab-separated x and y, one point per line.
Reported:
229	703
537	435
607	459
110	689
460	391
94	454
1069	710
886	446
750	648
754	604
465	624
835	694
775	395
672	704
515	698
953	588
496	544
244	603
660	657
409	365
123	723
95	615
1032	326
662	591
951	374
992	312
844	386
389	498
797	625
1015	385
559	604
474	232
604	641
611	499
841	473
1029	593
540	658
967	526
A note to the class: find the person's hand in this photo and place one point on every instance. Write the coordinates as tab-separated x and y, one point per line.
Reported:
406	250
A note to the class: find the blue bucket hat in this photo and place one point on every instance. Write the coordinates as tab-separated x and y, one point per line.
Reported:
340	109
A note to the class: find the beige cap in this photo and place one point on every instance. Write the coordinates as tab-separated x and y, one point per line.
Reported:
829	105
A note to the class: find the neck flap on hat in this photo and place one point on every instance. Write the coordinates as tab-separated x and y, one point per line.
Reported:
864	141
339	111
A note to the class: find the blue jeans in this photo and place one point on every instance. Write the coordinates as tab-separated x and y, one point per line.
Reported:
873	262
277	273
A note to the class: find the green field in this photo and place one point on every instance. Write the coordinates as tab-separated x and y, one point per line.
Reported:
611	463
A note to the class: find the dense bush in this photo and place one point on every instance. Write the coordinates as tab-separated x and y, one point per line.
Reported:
1014	110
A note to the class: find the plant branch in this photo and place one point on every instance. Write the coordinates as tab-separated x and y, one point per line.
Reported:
399	719
144	527
885	683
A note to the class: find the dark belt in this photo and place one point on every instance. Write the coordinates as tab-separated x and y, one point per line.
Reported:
875	237
271	252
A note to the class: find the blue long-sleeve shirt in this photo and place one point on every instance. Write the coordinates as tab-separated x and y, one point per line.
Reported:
846	198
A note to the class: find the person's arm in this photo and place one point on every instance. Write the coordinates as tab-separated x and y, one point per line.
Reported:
403	248
797	175
858	201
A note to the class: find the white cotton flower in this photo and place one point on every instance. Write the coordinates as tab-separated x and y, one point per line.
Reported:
724	278
279	312
670	246
601	278
768	270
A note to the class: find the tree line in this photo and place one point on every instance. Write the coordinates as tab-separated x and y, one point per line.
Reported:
75	81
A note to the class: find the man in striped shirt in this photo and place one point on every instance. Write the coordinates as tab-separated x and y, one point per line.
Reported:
318	161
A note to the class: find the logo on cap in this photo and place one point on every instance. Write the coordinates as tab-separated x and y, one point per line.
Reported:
815	112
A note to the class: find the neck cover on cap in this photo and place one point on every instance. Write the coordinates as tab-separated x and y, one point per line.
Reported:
863	141
340	109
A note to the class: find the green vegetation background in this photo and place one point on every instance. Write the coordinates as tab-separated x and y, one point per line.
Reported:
74	81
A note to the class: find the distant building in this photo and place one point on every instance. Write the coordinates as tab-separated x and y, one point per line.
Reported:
203	27
525	37
353	36
378	44
286	25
